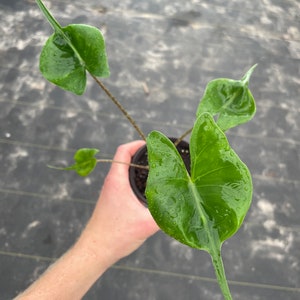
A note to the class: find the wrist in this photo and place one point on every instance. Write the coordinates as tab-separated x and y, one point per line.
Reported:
98	247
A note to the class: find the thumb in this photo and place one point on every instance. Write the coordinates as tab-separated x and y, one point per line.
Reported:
124	154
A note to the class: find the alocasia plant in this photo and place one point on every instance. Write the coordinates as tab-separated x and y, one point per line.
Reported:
201	208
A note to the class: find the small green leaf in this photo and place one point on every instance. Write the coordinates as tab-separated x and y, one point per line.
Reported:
85	161
71	51
229	100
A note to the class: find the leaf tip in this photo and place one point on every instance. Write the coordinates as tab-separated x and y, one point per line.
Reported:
248	74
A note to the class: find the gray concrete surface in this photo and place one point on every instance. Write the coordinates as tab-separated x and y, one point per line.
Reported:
173	48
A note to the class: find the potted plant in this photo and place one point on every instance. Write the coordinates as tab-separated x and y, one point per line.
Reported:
198	192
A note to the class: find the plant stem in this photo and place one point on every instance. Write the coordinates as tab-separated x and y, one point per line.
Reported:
220	274
55	25
183	136
122	162
58	29
120	107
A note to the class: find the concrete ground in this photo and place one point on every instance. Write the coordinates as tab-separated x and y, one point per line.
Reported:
162	53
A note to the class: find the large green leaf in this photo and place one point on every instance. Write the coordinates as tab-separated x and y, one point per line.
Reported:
229	100
205	208
212	201
71	51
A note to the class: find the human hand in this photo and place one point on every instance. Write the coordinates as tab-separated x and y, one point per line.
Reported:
120	223
118	226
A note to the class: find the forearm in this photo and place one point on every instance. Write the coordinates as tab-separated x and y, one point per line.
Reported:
72	275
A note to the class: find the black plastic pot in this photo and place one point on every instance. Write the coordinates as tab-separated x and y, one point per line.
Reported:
138	176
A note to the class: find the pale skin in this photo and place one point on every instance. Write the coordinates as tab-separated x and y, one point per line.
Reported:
118	226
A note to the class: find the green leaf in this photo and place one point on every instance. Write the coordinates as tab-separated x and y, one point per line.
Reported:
71	51
205	208
215	197
85	161
229	100
60	66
